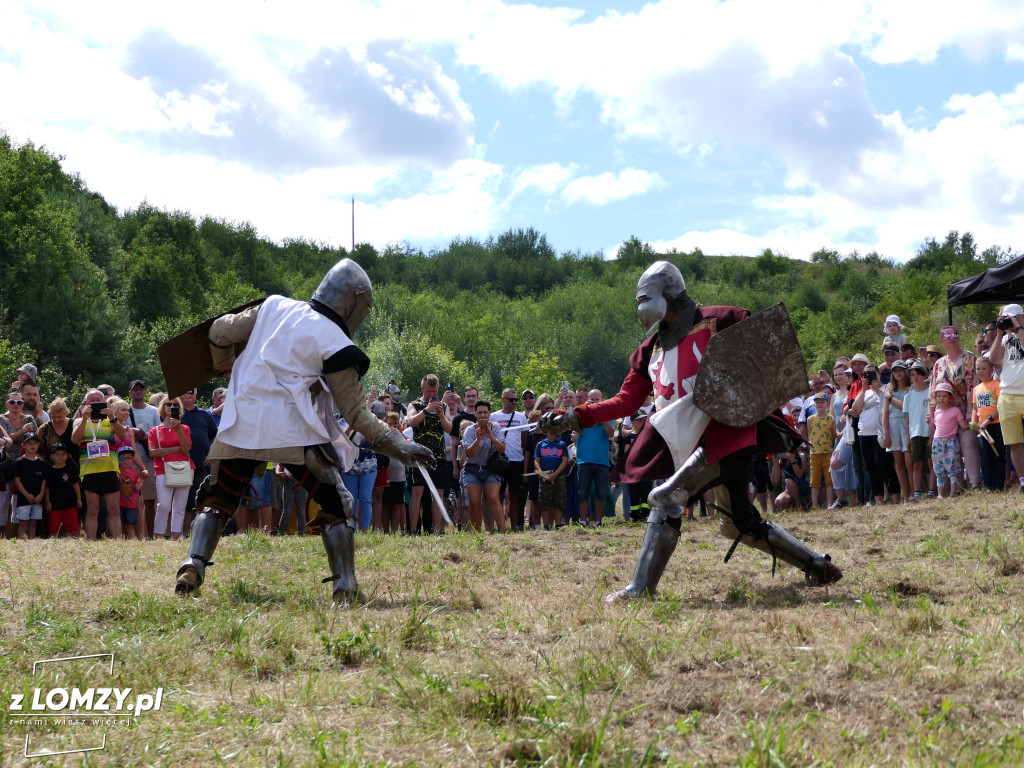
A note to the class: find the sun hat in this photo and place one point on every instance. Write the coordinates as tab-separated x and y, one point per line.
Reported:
945	387
860	357
29	370
892	319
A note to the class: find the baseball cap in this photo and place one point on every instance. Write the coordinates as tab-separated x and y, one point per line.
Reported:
1012	310
900	364
137	383
821	396
529	393
860	357
125	449
919	367
31	436
378	410
58	447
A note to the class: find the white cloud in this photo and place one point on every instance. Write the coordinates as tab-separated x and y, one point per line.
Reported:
547	178
606	187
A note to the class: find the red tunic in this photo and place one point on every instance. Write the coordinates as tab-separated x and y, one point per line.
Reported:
650	459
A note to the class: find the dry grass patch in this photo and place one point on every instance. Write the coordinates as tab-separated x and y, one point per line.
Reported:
491	650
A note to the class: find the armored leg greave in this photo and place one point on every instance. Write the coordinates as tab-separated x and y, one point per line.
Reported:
740	521
336	518
339	541
217	502
659	543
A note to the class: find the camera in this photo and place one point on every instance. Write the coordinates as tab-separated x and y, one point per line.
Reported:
97	410
175	412
1004	323
870	376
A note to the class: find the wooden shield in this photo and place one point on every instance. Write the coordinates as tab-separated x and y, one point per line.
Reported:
186	361
750	369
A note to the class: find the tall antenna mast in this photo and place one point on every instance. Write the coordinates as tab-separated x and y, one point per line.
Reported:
353	223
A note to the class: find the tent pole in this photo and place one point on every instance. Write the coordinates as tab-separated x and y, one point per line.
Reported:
950	315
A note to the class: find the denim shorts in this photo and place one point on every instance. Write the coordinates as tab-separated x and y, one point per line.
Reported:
476	474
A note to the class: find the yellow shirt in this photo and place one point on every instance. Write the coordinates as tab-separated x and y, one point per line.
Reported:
819	433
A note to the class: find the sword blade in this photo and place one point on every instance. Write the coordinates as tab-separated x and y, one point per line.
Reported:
433	492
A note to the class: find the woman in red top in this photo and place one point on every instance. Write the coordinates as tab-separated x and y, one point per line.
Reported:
169	441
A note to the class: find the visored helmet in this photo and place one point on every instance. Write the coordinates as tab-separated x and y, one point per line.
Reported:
346	289
658	286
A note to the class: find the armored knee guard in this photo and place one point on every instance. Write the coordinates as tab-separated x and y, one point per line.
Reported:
688	480
659	543
339	541
740	521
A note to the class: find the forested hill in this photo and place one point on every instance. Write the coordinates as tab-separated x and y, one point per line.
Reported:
87	292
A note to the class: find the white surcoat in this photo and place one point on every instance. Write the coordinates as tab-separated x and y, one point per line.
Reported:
270	404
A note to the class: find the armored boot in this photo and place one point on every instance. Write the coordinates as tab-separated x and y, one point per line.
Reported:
217	499
339	541
659	543
689	479
740	521
206	530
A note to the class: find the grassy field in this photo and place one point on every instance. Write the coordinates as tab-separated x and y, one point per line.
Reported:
490	650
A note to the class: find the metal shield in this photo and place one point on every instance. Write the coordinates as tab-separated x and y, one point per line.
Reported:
751	368
186	360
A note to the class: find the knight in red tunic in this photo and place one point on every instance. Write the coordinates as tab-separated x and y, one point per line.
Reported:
687	451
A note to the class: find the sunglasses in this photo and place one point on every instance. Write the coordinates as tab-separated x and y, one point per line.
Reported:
510	399
15	402
951	335
891	352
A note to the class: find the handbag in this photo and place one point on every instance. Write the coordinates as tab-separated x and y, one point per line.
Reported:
497	462
177	474
6	468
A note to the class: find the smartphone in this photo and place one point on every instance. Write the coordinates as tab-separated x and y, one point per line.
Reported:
450	386
175	412
435	399
97	410
565	385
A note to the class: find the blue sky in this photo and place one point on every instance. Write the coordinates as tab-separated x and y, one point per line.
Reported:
729	126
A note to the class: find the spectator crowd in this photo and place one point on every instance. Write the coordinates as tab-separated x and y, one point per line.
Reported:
914	422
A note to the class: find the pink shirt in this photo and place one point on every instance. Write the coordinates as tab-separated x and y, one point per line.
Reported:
947	421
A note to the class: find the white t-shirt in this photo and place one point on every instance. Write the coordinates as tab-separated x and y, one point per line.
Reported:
146	418
513	440
1011	376
867	426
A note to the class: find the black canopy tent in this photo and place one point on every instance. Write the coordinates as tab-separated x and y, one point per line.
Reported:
1000	285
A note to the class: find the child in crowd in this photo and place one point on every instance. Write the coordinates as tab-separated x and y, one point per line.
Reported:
894	331
948	422
30	483
639	508
63	493
393	515
293	501
821	435
551	457
131	484
915	406
984	412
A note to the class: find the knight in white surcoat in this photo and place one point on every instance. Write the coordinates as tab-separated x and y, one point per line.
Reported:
293	365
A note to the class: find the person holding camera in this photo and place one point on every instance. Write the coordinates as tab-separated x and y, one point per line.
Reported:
428	417
97	434
170	440
481	441
1008	351
867	409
